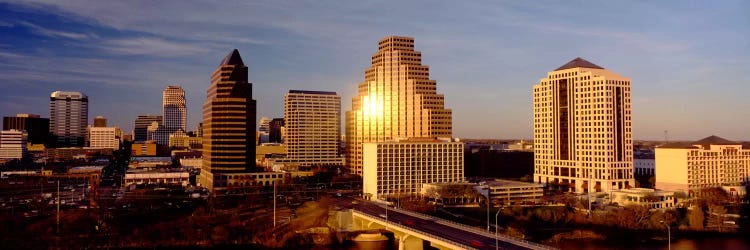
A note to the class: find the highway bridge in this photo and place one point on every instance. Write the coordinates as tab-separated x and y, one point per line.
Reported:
414	231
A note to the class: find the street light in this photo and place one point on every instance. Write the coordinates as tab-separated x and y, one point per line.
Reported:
669	236
497	242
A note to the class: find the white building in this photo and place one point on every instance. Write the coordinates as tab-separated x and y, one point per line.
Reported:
156	177
312	128
582	129
12	144
644	197
401	167
644	166
512	192
710	162
103	137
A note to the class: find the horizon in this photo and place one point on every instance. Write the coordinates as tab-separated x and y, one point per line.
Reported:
675	56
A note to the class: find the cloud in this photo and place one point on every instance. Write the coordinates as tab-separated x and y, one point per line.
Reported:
53	33
150	46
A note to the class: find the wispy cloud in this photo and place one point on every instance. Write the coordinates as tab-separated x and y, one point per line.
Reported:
53	33
150	46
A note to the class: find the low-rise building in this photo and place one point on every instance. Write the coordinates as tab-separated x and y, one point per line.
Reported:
403	166
143	149
64	154
182	140
644	197
707	163
103	137
511	192
149	162
157	177
644	166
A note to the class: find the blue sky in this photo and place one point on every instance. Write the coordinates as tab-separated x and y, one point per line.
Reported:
688	61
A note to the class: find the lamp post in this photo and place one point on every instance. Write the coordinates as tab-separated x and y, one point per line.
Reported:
497	241
669	235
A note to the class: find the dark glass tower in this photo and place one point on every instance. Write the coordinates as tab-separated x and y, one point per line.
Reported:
228	124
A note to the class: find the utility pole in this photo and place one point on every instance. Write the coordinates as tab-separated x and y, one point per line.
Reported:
58	206
274	203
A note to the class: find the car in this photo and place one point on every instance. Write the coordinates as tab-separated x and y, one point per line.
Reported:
476	243
383	216
410	222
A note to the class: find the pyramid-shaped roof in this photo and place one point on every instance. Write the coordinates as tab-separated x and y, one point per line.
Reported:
714	140
233	58
579	63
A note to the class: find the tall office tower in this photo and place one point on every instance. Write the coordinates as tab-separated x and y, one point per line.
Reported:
199	130
582	129
397	99
263	125
313	127
140	130
69	117
275	130
100	122
173	108
37	128
228	127
12	144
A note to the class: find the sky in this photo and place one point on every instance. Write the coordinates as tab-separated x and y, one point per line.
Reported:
688	60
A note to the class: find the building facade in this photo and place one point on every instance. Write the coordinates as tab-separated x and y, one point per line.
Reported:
582	129
228	126
174	109
13	144
645	197
313	128
276	129
644	166
706	163
397	99
143	149
511	192
103	137
140	129
401	167
69	116
37	128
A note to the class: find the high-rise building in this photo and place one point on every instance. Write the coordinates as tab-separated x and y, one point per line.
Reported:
275	130
37	128
228	127
313	128
100	122
69	115
174	109
140	130
263	125
582	129
710	162
104	137
397	99
12	144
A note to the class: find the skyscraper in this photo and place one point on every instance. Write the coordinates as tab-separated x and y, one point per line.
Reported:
275	128
582	129
37	128
69	115
100	122
228	126
140	129
173	108
397	99
313	127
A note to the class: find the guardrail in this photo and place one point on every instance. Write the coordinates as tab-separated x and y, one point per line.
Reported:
517	241
412	229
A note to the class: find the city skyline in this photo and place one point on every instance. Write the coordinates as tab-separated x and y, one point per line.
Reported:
674	54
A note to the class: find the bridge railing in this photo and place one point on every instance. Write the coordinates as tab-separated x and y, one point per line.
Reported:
517	241
462	246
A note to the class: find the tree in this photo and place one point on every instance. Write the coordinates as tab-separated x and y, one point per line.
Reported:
696	218
716	216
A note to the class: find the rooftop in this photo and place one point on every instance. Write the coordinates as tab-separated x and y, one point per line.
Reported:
311	92
233	58
579	63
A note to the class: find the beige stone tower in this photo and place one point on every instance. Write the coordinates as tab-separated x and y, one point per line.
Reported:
397	99
582	129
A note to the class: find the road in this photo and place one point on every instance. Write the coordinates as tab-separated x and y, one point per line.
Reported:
432	227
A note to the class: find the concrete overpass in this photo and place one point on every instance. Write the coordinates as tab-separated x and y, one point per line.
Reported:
414	231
